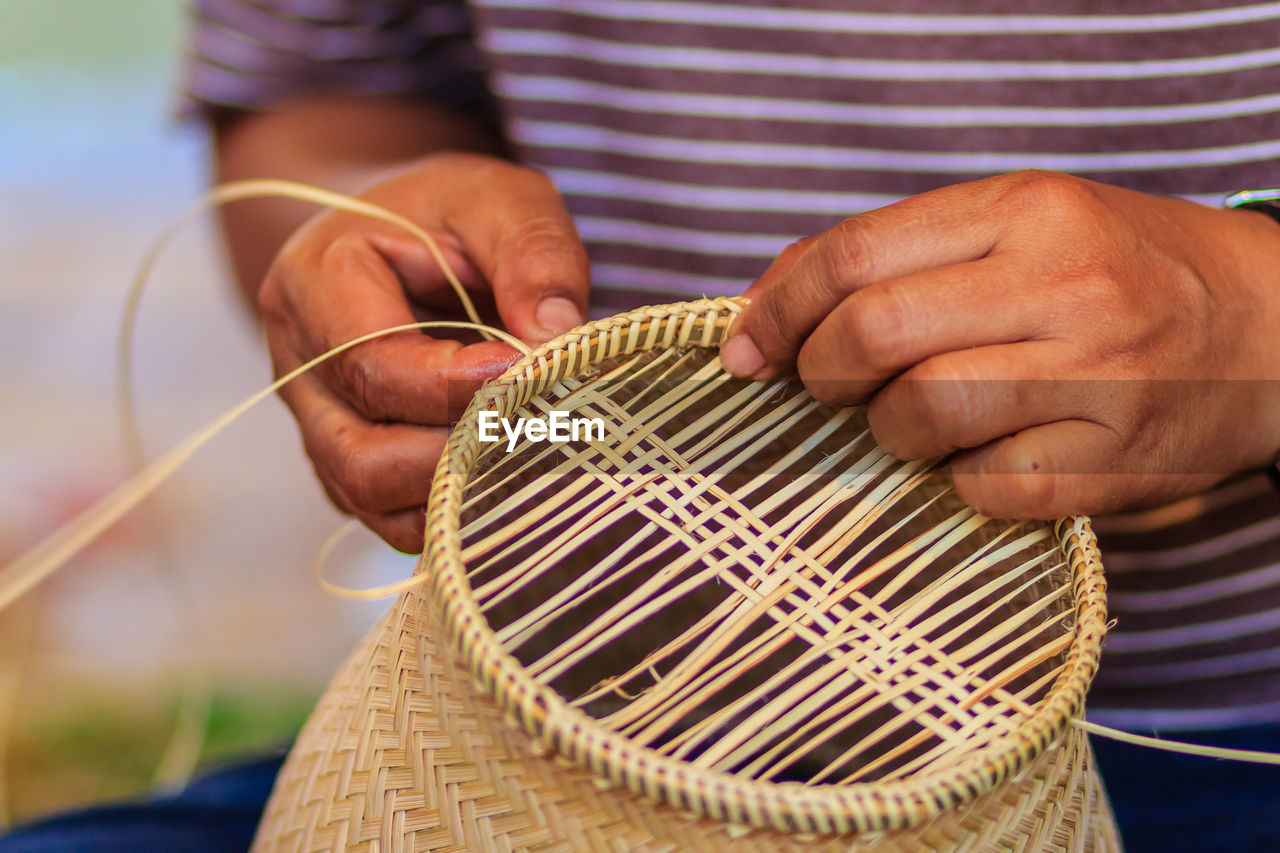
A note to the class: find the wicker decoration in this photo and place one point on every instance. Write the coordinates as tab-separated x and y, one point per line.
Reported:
732	624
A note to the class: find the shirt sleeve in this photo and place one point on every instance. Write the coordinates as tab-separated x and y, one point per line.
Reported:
254	54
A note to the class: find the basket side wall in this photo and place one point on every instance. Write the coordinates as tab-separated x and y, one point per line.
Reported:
403	752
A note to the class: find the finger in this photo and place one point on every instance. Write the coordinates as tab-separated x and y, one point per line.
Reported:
421	273
1048	471
939	228
968	398
403	530
372	467
886	328
788	256
406	377
738	350
379	467
513	224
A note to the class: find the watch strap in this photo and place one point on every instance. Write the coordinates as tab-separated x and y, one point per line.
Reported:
1263	201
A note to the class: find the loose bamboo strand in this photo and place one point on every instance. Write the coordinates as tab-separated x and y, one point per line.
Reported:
49	555
21	632
52	553
1249	756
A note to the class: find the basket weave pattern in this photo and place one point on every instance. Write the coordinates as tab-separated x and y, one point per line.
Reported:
404	753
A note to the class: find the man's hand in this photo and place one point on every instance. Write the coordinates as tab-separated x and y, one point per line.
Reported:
1079	347
374	420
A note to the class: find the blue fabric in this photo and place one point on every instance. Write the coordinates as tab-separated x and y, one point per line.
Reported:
1170	803
1164	803
217	813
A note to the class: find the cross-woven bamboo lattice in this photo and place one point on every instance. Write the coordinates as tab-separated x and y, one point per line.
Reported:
817	597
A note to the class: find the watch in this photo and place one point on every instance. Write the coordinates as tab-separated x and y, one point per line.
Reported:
1263	201
1268	202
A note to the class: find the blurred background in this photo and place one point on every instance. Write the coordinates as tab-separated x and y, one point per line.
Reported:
93	164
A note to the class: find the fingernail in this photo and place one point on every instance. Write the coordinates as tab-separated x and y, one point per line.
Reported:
741	357
558	315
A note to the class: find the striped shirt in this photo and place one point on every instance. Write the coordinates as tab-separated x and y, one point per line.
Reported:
694	140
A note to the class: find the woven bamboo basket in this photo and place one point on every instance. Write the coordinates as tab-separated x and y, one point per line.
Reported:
731	623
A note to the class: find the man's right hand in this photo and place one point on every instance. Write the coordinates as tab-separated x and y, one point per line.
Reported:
374	420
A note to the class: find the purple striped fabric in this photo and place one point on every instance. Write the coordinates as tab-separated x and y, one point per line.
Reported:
694	140
247	54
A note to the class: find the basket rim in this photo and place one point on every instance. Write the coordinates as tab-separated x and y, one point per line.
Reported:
786	806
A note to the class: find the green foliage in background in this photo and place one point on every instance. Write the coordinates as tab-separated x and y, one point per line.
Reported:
97	35
105	748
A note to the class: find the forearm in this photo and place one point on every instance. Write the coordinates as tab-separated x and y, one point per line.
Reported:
334	142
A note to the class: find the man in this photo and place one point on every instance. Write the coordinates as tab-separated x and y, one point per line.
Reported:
1083	342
